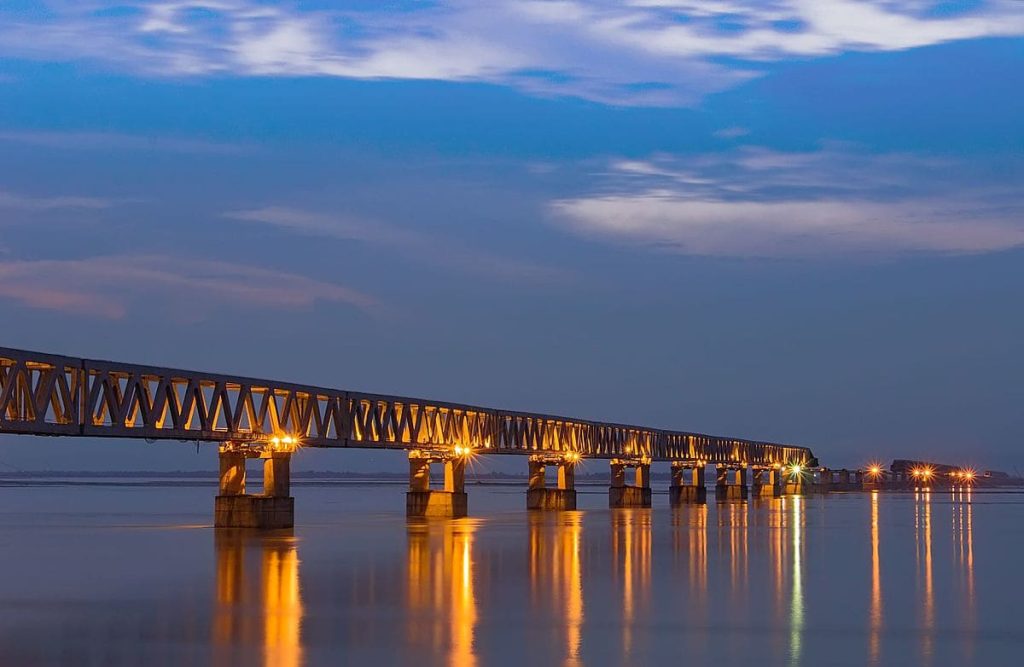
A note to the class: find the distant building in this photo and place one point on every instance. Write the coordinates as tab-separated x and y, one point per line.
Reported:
905	466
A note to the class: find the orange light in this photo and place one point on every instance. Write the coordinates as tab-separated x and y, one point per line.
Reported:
284	443
875	470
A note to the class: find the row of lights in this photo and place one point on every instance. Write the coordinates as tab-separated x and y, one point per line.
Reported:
927	473
288	443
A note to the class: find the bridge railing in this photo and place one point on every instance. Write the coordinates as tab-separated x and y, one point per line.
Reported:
46	394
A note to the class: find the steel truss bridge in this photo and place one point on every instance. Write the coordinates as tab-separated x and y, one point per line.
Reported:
54	395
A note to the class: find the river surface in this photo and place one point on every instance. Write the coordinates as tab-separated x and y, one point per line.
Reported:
115	574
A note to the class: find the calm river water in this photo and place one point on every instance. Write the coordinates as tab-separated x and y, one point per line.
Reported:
135	575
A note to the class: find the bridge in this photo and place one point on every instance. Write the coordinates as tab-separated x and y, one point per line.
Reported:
55	395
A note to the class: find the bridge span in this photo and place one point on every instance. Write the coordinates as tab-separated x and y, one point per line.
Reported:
56	395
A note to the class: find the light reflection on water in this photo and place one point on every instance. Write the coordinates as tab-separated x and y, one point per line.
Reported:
858	579
258	572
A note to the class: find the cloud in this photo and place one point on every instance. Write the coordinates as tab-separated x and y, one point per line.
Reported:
118	141
410	244
638	52
110	286
20	202
760	203
734	132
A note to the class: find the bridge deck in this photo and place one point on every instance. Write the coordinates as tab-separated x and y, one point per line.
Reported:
46	394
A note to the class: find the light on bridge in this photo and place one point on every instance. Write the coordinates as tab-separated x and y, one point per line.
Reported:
284	443
923	473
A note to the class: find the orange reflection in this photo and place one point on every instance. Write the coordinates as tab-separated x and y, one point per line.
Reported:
793	509
963	536
440	589
631	548
690	542
556	574
690	547
923	537
736	520
875	615
276	594
776	551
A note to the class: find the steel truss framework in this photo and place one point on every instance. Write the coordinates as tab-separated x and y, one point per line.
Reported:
46	394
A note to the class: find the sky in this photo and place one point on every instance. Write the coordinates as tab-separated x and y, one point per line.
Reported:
791	220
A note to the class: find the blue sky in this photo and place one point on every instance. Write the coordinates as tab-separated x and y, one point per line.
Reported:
790	220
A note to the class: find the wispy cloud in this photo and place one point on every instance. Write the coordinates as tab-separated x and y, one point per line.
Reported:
635	52
119	141
733	132
11	200
407	243
109	286
760	203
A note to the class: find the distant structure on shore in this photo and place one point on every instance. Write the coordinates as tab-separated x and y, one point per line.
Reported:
906	467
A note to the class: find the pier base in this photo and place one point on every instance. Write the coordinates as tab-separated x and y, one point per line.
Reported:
437	504
687	495
629	496
794	488
551	499
264	512
727	492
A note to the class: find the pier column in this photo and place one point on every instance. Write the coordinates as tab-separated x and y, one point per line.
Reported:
419	474
234	508
688	483
563	497
734	490
567	477
638	494
423	501
767	483
277	474
232	473
455	475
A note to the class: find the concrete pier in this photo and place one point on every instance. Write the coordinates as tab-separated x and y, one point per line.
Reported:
734	488
563	497
688	483
234	508
822	480
767	483
637	494
451	502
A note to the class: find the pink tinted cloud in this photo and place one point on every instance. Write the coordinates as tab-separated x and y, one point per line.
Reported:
110	286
